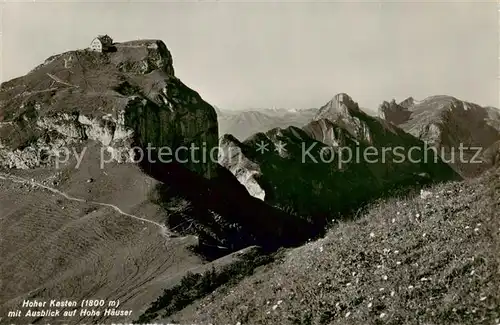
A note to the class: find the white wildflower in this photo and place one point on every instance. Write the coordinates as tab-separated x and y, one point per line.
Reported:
384	277
425	194
372	235
383	315
370	305
275	306
347	314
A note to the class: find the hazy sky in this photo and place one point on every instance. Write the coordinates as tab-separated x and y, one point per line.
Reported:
286	54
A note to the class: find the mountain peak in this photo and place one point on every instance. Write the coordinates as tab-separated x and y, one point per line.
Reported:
408	102
344	99
340	105
111	93
136	57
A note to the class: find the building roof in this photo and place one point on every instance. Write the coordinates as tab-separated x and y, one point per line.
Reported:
105	39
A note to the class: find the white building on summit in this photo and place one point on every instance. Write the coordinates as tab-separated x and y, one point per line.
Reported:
101	43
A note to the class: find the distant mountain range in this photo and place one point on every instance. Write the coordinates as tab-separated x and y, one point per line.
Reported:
242	124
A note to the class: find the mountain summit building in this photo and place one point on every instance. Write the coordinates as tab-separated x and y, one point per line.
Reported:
101	43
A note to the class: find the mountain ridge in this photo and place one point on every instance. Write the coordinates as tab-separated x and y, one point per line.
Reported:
288	177
447	123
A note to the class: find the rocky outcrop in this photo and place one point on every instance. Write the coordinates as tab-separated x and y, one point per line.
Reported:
447	124
328	133
394	112
245	170
122	99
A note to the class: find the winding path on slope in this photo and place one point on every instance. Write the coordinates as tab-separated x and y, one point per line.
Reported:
17	179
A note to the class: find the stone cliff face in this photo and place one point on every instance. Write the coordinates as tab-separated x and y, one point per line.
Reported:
343	111
124	98
328	133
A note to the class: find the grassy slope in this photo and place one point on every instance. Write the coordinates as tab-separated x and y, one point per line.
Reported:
53	248
405	261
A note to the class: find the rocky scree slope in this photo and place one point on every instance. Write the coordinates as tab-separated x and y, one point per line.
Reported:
446	122
318	185
126	97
